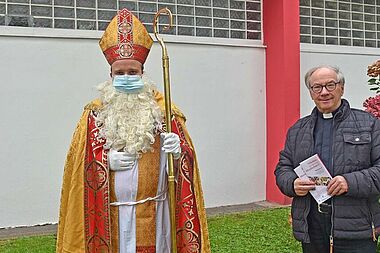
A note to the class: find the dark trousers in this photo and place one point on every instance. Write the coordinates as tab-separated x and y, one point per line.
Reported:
320	230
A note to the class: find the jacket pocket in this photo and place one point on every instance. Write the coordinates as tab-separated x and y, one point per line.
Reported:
357	149
357	138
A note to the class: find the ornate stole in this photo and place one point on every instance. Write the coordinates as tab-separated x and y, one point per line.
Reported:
149	166
99	216
188	225
96	192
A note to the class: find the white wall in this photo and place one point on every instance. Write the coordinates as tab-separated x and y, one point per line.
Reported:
352	61
221	90
46	82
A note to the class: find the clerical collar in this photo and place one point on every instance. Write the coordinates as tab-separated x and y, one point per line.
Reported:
329	115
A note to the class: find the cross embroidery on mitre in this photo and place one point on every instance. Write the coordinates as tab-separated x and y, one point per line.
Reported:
125	34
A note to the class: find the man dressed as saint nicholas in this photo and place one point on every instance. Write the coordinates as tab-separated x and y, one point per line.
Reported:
114	193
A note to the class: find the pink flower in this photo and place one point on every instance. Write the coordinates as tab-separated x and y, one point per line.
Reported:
372	105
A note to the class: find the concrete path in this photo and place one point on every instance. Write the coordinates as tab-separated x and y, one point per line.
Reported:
11	233
49	229
255	206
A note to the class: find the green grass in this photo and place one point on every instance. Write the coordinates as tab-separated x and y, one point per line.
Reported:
265	231
33	244
261	231
258	232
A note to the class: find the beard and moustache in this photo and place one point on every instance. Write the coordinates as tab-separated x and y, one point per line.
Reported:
129	122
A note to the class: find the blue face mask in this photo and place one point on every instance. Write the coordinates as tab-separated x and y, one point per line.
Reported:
128	83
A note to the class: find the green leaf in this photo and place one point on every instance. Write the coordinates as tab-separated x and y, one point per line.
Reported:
372	81
374	88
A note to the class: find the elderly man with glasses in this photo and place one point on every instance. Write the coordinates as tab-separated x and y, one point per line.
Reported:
347	141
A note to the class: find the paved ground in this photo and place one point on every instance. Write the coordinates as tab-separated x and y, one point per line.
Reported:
241	208
9	233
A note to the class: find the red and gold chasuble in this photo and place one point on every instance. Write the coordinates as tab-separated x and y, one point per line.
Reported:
101	220
87	222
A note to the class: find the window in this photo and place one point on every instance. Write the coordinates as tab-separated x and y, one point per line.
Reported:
239	19
340	22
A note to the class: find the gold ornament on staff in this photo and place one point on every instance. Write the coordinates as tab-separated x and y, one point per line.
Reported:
168	115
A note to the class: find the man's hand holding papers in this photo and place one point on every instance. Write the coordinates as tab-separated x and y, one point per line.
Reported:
313	178
337	186
303	186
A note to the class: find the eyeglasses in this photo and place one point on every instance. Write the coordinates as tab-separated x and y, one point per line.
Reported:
331	86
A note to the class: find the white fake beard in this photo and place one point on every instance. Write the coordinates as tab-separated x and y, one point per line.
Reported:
129	122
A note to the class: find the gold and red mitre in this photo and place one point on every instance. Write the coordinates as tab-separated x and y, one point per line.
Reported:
125	38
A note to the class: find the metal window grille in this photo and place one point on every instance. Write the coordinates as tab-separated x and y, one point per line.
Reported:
340	22
203	18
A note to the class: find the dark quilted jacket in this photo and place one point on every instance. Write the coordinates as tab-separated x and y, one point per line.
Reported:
356	156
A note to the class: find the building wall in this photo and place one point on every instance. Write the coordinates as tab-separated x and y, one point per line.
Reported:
352	61
47	81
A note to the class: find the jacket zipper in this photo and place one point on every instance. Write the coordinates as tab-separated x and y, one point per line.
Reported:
332	198
372	225
332	227
373	232
307	211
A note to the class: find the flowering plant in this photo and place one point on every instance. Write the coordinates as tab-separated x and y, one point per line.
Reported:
372	104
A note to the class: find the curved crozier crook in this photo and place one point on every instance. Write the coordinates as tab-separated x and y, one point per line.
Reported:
166	27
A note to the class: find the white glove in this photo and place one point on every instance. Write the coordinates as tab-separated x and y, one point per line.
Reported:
171	144
120	160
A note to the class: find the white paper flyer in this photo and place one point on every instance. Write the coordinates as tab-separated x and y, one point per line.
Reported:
314	170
